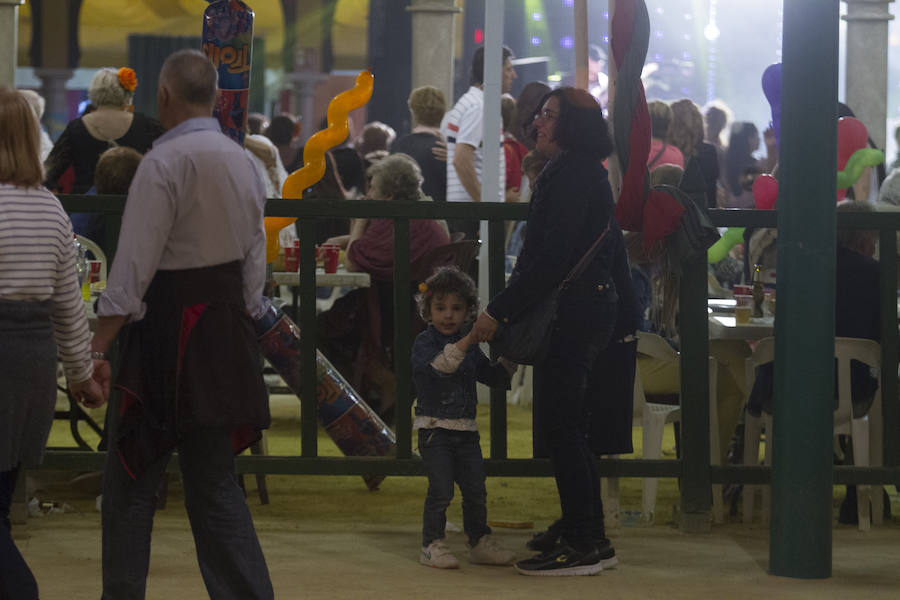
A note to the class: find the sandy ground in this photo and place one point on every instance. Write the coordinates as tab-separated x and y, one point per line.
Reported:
310	559
328	537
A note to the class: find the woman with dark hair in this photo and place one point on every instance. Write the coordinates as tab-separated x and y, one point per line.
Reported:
571	208
741	168
701	165
531	96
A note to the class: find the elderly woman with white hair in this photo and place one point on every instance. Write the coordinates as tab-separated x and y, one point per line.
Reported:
356	334
111	123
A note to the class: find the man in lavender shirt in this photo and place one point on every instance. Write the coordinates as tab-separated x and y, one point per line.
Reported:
187	278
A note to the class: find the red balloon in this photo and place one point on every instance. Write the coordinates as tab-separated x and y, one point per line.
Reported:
852	136
765	192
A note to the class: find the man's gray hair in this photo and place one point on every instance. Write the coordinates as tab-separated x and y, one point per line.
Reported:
190	77
398	176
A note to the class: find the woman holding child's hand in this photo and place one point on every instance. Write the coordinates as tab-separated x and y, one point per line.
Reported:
571	207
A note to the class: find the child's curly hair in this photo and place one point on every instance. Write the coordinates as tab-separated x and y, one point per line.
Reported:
447	280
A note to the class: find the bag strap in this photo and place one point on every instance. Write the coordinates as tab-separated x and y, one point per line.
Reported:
582	264
658	155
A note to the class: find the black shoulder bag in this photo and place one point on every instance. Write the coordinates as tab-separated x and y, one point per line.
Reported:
526	339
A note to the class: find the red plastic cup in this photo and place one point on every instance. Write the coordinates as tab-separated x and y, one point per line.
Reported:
331	253
292	259
95	270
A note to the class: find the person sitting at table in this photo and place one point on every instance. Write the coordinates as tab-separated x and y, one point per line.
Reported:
657	283
115	170
356	334
41	313
857	314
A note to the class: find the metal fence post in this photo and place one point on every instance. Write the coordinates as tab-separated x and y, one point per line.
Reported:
694	332
800	542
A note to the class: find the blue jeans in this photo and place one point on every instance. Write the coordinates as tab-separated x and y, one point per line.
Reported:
231	560
16	580
453	456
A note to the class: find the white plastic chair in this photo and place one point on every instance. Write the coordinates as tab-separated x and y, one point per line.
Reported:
653	418
865	433
96	251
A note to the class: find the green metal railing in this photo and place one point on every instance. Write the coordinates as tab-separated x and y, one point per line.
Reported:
693	468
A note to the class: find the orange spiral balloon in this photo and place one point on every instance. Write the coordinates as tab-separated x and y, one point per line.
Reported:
313	168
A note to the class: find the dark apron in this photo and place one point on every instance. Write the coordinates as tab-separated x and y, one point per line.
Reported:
192	362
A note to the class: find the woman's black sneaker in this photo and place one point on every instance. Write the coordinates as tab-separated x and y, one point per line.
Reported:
607	553
562	561
545	541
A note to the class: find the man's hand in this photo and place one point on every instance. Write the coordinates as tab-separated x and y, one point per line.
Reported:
88	393
485	327
439	150
102	376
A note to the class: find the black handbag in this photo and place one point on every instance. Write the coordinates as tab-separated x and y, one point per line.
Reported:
526	339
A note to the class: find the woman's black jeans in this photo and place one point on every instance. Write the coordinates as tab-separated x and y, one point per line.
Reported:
560	381
16	580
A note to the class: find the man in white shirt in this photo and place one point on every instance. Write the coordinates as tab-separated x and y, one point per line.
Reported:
462	128
188	276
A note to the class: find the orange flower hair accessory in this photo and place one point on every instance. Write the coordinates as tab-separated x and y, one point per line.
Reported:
423	287
128	79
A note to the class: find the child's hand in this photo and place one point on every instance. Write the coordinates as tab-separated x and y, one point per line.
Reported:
467	341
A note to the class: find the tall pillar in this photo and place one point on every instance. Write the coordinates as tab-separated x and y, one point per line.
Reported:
800	540
9	28
867	47
433	39
54	54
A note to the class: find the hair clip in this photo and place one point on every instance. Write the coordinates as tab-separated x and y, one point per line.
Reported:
423	287
127	79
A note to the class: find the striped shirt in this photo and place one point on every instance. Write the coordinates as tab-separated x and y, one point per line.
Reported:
37	262
463	125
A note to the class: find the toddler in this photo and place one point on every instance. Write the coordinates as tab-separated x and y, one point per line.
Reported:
446	364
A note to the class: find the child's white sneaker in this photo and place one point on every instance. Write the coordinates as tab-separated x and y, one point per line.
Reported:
437	554
488	552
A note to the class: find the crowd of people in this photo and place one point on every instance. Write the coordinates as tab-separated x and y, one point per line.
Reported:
190	270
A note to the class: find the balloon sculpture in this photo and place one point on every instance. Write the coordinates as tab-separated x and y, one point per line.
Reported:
719	250
854	153
313	168
771	84
353	426
227	40
765	192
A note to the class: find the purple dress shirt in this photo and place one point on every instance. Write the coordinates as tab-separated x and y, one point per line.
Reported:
195	201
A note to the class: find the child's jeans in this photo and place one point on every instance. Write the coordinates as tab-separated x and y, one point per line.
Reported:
453	456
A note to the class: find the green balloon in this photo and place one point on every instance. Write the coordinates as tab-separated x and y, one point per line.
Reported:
719	250
859	160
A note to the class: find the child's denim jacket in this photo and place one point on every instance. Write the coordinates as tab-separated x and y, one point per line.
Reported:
450	395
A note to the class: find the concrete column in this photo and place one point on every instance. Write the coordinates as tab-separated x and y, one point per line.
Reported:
9	28
53	89
433	38
304	99
867	47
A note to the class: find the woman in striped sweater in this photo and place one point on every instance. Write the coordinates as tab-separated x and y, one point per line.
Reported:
41	311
